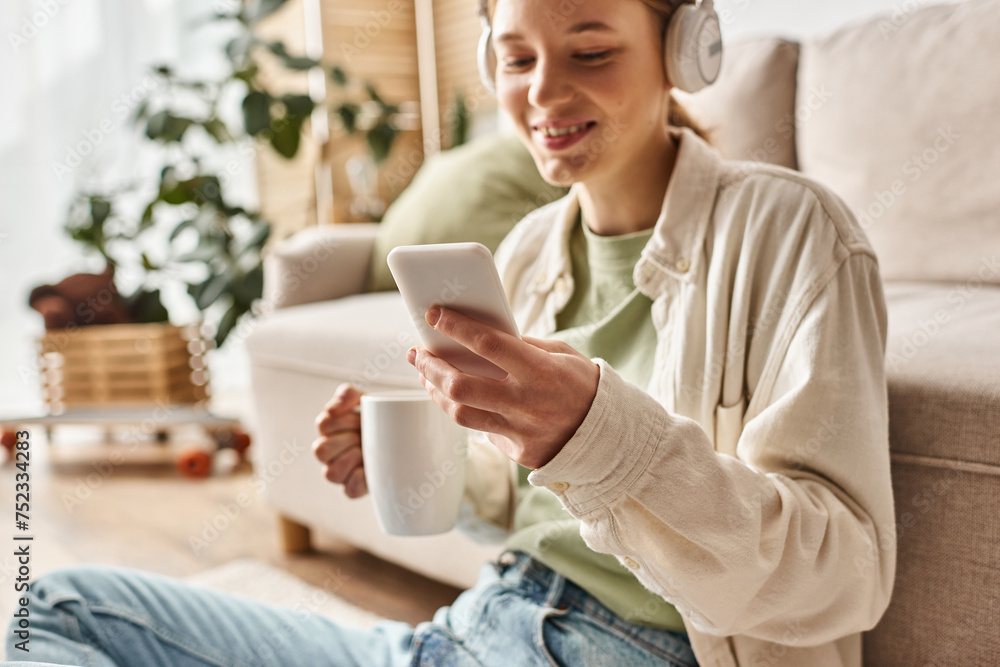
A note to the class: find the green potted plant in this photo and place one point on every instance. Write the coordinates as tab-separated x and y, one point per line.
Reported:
183	228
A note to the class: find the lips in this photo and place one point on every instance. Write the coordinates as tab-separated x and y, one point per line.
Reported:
550	131
559	135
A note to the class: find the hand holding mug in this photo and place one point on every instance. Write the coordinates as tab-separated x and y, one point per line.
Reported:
338	446
411	457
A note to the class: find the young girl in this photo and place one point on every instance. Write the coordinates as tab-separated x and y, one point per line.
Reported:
697	409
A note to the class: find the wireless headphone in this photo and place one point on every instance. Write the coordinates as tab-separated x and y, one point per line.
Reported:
692	50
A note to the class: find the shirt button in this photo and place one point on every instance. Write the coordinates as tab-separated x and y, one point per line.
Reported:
630	564
541	279
561	285
683	264
559	486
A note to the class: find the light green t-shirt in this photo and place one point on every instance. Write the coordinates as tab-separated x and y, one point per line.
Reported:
607	317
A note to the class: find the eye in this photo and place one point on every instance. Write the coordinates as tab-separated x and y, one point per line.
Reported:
594	56
517	63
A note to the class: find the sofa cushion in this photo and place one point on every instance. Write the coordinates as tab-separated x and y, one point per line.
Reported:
476	192
944	608
749	112
903	125
324	339
943	365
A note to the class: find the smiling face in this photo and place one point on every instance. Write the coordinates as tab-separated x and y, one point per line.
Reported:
584	83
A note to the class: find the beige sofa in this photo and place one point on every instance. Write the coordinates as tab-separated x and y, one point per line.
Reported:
901	116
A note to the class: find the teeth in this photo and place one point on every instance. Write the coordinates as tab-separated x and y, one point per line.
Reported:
561	131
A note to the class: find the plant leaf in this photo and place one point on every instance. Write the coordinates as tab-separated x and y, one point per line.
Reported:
84	235
166	127
176	127
210	290
380	139
147	216
338	75
258	237
287	59
267	7
299	63
298	105
233	211
460	124
184	224
156	124
238	48
253	283
348	113
100	209
173	192
256	112
205	189
145	306
204	253
140	111
277	48
285	140
227	323
218	130
372	93
246	74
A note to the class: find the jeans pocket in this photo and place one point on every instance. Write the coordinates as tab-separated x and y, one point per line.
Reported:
434	646
545	616
573	638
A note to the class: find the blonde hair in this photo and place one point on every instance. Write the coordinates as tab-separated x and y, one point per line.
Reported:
677	115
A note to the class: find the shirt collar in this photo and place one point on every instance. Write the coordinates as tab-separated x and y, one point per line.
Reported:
678	238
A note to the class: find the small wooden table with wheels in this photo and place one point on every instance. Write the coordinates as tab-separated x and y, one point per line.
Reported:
156	422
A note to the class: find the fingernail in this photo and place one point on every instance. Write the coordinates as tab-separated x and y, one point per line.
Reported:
411	355
433	315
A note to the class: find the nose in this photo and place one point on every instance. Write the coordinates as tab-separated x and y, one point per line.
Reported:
550	84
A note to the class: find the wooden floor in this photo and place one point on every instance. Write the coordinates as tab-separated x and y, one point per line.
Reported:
124	504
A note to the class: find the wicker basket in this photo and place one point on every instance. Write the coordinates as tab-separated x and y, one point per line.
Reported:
121	365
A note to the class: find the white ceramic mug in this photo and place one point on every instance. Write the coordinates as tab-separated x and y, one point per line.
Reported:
414	457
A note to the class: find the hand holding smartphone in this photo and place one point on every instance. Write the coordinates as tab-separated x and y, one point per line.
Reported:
460	276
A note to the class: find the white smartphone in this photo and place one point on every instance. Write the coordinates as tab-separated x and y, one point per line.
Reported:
460	276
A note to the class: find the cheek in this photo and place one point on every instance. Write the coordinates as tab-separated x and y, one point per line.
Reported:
614	92
634	113
510	97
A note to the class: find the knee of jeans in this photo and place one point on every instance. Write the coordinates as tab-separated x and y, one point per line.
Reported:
77	582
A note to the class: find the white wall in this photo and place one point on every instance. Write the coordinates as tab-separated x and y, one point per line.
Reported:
802	19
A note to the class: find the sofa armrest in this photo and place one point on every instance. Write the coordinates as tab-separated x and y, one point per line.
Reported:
319	263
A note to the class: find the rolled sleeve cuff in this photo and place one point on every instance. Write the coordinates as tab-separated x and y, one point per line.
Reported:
609	450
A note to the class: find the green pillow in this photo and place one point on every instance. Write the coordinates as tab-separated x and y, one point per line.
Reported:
475	192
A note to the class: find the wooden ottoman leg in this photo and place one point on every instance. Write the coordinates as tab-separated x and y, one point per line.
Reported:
295	537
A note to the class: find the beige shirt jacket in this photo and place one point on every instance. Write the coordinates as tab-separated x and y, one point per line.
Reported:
748	484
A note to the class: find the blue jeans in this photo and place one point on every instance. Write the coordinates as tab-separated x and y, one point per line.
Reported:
519	613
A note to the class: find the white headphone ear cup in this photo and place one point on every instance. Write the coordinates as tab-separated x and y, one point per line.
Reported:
487	59
693	48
